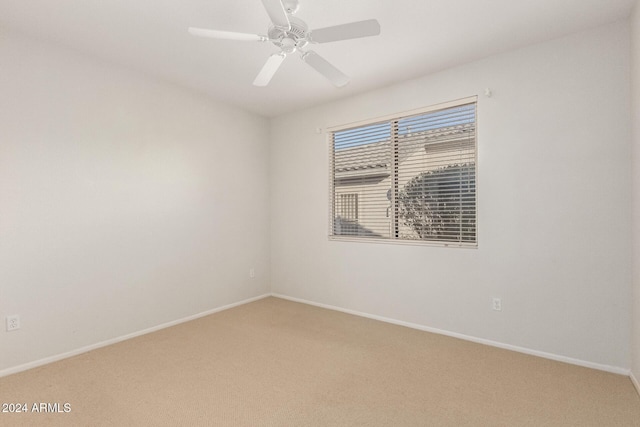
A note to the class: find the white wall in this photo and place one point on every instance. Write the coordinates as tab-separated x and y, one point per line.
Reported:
125	202
554	209
635	80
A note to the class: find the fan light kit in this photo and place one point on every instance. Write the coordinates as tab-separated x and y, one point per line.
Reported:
291	34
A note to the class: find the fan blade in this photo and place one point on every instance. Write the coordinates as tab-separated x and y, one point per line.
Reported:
353	30
276	12
227	35
318	63
269	69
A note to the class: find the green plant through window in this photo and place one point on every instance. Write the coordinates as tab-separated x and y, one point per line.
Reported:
441	204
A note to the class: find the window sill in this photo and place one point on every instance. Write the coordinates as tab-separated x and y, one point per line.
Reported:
404	242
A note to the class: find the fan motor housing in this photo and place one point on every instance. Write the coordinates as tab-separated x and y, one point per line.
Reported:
298	33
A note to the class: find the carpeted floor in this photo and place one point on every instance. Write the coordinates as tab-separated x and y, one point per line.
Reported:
279	363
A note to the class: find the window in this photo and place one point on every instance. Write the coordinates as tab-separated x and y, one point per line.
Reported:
411	177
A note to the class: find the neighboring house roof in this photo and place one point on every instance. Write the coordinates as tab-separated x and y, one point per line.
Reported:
437	135
368	159
374	159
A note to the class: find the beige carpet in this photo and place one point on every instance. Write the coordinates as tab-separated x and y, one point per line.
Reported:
278	363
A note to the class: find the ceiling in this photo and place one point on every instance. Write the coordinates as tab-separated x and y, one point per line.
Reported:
418	37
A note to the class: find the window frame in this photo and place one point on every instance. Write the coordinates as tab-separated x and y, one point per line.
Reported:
390	118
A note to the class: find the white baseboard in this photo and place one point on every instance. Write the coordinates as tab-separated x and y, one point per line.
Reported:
635	382
551	356
91	347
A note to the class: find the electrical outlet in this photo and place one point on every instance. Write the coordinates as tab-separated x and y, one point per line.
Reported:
13	322
497	304
252	273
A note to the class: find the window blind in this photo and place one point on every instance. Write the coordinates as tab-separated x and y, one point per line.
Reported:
407	178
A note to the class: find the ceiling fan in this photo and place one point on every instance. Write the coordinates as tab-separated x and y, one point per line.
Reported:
291	35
